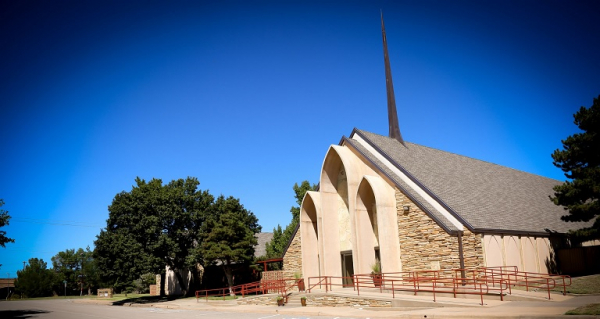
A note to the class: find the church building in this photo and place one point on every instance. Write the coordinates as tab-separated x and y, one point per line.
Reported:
408	207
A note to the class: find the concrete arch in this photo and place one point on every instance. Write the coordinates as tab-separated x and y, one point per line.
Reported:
376	225
309	232
340	174
512	251
529	254
493	250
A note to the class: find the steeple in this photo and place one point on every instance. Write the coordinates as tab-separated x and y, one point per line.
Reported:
391	100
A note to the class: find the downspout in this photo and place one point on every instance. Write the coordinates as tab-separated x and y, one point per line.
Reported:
461	257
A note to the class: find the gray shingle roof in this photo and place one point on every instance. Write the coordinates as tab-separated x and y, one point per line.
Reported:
486	196
261	247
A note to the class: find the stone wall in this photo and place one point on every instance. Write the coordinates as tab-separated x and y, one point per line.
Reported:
286	275
154	291
472	249
344	301
292	260
425	245
105	293
319	300
265	300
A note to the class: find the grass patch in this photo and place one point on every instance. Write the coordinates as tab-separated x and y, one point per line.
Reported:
579	285
583	285
591	309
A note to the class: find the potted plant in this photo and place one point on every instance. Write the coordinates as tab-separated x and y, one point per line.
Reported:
279	301
299	281
303	301
376	274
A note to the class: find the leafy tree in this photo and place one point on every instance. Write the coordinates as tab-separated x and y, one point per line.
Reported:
228	236
91	273
281	239
78	268
142	284
4	217
35	280
66	265
150	227
580	160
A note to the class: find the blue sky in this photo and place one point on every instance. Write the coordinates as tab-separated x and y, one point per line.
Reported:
247	97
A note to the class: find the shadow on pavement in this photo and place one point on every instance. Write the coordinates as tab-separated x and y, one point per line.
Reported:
146	300
17	314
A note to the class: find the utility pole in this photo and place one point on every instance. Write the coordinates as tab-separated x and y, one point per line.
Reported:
23	265
81	281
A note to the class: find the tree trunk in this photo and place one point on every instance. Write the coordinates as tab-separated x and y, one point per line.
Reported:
229	275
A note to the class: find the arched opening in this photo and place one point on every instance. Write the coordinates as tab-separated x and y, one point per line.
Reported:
367	230
310	235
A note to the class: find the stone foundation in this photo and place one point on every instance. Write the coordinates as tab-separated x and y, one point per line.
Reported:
343	301
266	300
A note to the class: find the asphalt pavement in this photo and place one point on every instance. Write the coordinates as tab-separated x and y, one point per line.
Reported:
192	308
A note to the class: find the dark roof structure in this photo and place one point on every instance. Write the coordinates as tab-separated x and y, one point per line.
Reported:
261	247
483	196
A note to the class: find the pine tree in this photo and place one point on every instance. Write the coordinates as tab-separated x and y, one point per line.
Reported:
580	160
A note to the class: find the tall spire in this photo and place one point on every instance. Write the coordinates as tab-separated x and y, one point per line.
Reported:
391	100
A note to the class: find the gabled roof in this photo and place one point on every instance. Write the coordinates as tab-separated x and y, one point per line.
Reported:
481	195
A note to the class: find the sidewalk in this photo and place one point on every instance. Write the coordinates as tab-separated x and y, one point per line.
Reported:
442	309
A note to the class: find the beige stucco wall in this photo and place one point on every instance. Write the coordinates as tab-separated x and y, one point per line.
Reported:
528	253
344	222
172	286
309	247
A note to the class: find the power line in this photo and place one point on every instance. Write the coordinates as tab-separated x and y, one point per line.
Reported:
55	222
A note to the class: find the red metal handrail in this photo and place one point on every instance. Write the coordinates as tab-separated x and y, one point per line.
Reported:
263	286
528	279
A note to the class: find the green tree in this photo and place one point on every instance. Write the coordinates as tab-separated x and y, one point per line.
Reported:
281	239
35	280
150	227
67	267
580	160
228	236
77	268
4	217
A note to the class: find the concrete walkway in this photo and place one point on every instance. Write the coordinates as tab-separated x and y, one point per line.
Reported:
444	308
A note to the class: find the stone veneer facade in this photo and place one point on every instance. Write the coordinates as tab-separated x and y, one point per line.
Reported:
425	245
292	260
320	300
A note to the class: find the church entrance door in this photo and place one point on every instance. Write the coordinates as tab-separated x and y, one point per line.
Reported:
347	268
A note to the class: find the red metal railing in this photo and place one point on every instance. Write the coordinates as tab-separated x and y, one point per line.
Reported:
514	277
476	281
258	287
280	286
